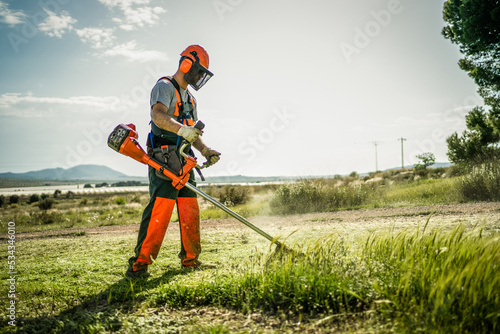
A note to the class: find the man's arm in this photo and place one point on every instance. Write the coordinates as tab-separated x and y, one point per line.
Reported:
163	120
199	144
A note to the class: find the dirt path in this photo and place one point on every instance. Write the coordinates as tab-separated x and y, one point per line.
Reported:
489	211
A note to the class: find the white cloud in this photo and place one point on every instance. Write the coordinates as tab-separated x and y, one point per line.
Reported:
135	13
98	38
28	105
130	51
56	26
11	17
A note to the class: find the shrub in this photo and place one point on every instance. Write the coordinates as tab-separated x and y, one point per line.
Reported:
2	200
44	196
87	185
57	192
13	199
33	198
231	195
120	201
482	183
46	218
136	198
84	201
317	196
46	203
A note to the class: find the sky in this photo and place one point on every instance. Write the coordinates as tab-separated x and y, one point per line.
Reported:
300	88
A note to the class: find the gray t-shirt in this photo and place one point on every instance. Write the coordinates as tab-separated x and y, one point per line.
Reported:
164	92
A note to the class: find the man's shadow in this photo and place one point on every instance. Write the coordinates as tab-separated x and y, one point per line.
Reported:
121	297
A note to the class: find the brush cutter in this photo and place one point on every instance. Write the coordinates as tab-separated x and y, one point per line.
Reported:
123	139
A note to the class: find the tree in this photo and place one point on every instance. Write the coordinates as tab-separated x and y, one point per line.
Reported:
426	159
474	25
477	143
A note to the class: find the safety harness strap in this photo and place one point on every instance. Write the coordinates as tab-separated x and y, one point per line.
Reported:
179	106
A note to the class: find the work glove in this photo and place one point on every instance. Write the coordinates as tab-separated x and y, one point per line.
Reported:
189	133
212	156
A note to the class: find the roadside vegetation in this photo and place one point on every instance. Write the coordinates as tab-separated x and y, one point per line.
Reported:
388	189
395	188
433	278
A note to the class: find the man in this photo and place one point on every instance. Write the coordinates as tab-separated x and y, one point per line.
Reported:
173	116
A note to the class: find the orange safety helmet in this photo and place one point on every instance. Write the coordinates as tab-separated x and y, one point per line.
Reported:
194	65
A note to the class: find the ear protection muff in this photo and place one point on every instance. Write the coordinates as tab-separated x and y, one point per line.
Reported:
186	65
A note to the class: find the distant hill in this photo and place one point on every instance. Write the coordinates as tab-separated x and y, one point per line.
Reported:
80	172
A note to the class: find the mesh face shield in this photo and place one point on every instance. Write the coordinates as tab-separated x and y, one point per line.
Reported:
197	76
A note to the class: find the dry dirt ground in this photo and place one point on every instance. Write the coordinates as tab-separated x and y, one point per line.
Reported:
364	219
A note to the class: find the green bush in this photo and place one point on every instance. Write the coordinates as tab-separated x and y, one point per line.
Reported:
2	200
46	203
46	218
13	199
33	198
120	201
482	183
316	196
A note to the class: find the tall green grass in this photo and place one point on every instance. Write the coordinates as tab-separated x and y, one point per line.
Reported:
437	281
431	280
317	195
482	182
325	195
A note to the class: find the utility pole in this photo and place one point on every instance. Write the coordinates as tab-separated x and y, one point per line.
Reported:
402	155
376	157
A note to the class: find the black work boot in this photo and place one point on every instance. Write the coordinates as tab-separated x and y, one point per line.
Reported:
137	274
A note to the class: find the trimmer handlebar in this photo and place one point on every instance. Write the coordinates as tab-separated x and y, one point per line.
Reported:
200	126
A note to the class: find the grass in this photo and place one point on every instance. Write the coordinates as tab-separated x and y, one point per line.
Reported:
434	278
482	183
420	192
324	195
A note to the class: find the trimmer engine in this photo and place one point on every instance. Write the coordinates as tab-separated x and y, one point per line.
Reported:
120	134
